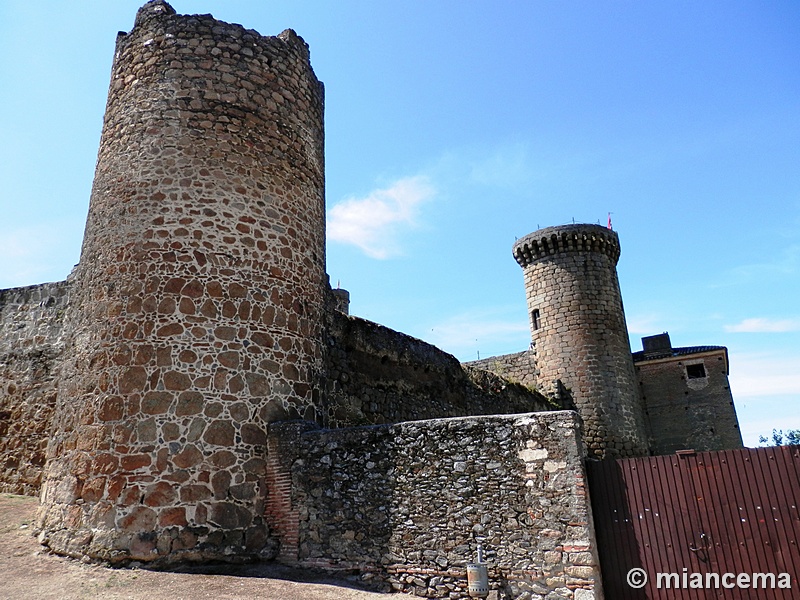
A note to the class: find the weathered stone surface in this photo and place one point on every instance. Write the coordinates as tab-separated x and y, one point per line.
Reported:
138	519
377	375
172	517
253	434
32	338
188	457
160	494
111	409
174	380
574	302
132	462
189	403
156	403
207	212
191	494
390	500
221	483
519	367
219	433
228	515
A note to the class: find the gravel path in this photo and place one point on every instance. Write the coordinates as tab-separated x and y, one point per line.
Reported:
27	571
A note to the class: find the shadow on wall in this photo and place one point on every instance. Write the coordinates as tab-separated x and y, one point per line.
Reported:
616	537
376	375
31	341
405	505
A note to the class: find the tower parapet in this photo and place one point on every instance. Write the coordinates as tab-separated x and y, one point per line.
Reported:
566	238
579	338
197	306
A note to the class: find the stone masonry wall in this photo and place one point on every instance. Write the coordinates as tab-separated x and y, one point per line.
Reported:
519	367
197	304
31	343
378	375
407	504
689	413
578	332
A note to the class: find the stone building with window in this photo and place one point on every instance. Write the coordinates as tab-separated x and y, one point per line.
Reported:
686	396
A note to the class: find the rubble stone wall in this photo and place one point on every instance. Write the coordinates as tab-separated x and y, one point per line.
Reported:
197	305
519	367
31	343
378	375
407	504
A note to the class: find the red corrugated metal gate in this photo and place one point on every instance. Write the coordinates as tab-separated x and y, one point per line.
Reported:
700	520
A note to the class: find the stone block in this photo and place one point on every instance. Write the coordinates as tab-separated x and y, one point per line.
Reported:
161	493
229	516
219	433
140	518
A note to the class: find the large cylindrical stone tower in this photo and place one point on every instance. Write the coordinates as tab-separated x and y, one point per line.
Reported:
578	332
198	298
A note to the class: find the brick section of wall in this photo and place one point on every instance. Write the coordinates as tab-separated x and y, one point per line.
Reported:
689	413
578	332
196	312
519	367
281	512
31	343
378	375
406	504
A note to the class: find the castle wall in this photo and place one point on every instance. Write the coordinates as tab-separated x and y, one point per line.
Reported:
31	342
578	332
200	314
197	306
519	367
406	504
378	375
685	410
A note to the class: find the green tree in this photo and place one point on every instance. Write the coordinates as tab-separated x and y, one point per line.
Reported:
790	438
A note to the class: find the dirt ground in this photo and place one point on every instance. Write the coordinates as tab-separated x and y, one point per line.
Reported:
27	571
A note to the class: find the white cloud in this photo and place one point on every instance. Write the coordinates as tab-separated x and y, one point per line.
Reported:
373	223
485	332
764	325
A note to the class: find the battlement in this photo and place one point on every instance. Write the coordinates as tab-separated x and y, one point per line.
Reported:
160	16
566	238
153	10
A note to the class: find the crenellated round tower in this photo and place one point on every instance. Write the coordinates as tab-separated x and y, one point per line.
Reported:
198	299
578	332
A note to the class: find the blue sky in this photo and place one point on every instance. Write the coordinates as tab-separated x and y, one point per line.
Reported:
454	127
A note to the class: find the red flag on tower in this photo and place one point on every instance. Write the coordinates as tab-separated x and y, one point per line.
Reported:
609	221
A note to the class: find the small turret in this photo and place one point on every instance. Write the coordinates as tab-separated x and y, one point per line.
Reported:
579	338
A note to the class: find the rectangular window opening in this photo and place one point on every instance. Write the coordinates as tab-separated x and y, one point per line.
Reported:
535	320
697	371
